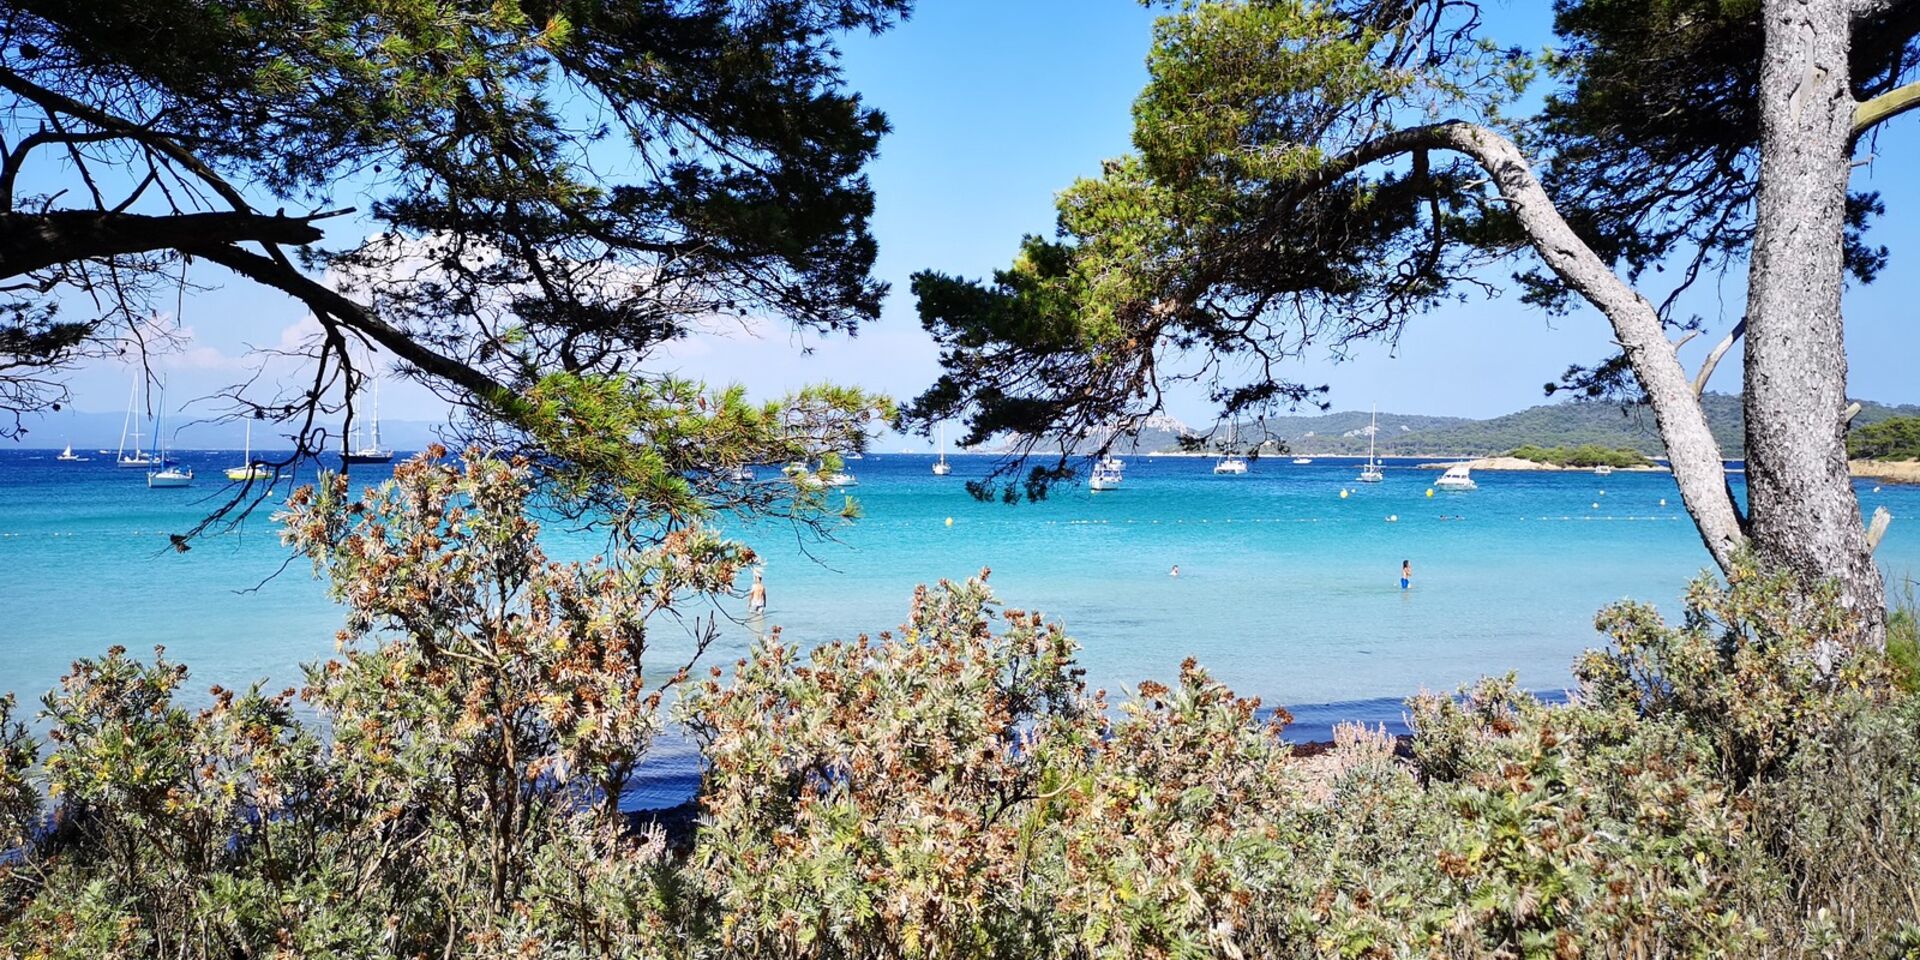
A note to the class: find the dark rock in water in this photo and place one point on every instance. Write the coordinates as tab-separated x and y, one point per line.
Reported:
679	823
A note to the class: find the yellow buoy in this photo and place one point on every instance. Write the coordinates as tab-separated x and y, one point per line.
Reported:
1343	493
1429	491
949	521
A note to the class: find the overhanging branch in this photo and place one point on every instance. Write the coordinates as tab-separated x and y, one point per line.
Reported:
1869	113
323	299
30	242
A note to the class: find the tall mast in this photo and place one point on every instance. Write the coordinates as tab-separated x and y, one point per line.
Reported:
1373	430
133	392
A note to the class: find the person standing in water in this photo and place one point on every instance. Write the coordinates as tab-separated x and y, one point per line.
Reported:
757	596
1406	574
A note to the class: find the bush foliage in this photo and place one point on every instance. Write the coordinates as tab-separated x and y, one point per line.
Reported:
1747	781
1896	438
1585	455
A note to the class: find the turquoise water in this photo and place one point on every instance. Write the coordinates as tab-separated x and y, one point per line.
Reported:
1286	590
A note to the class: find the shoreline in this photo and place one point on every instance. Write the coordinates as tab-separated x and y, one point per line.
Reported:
1890	471
1525	466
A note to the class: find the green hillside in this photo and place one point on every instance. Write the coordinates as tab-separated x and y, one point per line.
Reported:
1569	424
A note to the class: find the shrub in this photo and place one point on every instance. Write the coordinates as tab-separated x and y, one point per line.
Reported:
1584	455
485	709
1895	438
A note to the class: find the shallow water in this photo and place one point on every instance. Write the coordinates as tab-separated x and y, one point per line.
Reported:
1286	590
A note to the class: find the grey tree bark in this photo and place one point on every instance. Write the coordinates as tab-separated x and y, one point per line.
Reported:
1802	509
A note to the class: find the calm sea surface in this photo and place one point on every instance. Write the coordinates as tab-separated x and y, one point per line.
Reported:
1286	590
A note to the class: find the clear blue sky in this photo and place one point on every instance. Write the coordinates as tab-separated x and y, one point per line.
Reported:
998	104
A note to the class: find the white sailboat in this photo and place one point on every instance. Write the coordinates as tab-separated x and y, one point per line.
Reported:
941	468
69	456
373	452
250	469
1371	472
1232	464
1107	474
139	459
169	475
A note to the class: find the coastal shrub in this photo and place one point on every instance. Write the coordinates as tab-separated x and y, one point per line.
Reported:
1895	438
952	792
1903	638
486	707
1584	455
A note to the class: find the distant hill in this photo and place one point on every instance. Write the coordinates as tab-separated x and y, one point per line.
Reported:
1333	434
1552	424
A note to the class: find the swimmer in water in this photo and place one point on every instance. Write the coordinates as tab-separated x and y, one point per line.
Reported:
1175	571
1406	574
757	596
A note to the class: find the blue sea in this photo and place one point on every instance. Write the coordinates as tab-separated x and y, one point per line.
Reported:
1287	590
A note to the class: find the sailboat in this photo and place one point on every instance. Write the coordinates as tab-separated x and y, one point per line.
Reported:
139	459
1232	464
373	452
169	475
250	469
1371	473
69	455
942	468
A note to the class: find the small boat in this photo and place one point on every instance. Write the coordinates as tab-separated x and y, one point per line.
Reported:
1232	465
742	474
1457	477
941	468
69	456
1302	461
1107	474
372	452
170	477
842	480
1371	472
250	468
169	474
1602	470
801	476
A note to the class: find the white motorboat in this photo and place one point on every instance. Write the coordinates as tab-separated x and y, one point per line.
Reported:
1107	474
1602	470
1458	477
1371	472
1302	461
802	476
742	474
1232	464
842	480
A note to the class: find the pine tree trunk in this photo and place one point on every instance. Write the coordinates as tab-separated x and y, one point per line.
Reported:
1803	512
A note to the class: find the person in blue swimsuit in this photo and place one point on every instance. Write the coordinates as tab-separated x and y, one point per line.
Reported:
1406	574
